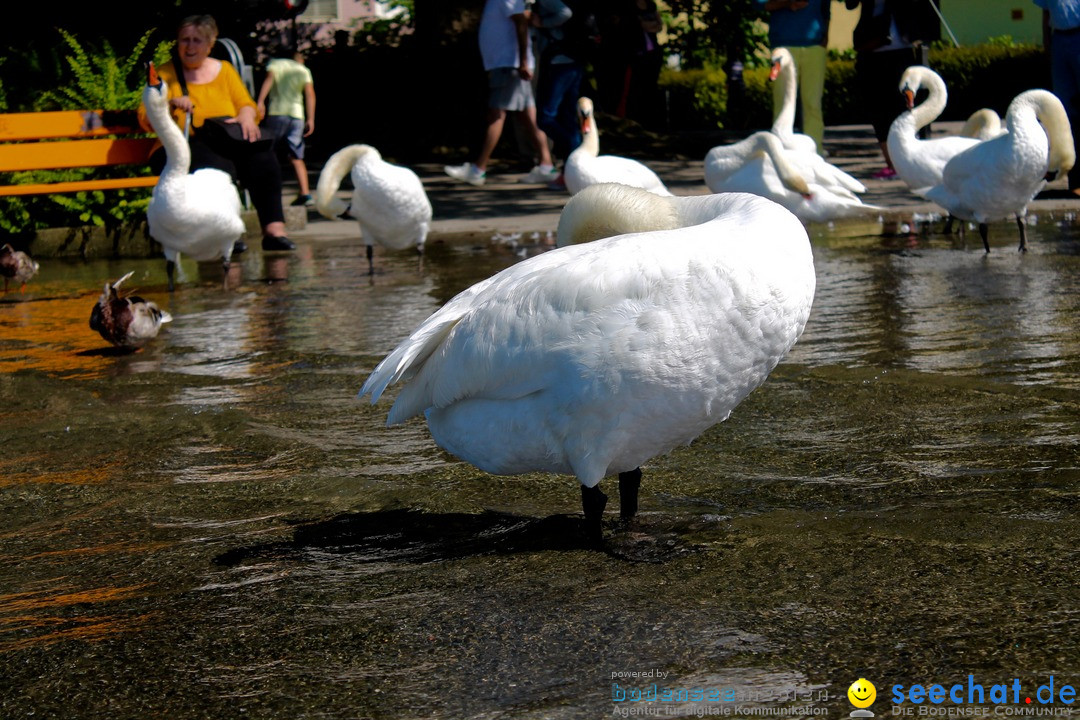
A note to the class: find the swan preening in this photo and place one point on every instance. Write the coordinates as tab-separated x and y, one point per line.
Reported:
591	359
388	200
126	321
586	166
801	181
920	163
997	178
195	214
16	265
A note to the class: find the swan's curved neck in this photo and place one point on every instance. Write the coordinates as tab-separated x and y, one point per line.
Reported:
770	145
929	109
784	124
1051	114
177	150
590	137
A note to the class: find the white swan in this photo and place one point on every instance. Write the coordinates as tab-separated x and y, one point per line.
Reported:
983	124
918	162
591	359
783	71
126	321
196	214
784	176
586	166
999	177
723	161
388	200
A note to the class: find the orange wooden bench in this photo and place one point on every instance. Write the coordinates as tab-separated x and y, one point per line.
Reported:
73	139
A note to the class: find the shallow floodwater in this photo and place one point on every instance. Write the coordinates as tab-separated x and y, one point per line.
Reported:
215	527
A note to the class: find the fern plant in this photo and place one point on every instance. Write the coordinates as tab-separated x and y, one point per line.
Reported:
95	79
101	78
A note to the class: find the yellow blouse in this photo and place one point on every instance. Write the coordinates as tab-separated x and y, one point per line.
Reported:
221	97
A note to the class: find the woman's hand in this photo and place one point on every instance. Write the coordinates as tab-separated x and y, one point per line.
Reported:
246	118
182	103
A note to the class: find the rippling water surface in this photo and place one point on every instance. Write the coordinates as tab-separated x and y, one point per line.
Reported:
216	527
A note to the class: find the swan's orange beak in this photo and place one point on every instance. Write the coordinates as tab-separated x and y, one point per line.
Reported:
586	123
775	71
909	98
151	75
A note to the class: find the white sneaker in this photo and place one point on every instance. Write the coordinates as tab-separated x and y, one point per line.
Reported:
540	175
466	173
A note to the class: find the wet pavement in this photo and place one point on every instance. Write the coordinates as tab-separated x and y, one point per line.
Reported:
215	527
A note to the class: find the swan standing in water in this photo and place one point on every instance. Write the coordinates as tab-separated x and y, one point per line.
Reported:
591	359
195	214
920	163
126	321
388	200
998	178
586	166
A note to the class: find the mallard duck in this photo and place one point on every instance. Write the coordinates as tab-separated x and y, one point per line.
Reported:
16	265
126	321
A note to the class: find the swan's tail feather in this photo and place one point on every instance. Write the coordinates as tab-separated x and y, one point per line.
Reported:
337	167
405	361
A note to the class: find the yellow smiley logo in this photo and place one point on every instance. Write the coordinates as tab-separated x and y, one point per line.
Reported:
862	693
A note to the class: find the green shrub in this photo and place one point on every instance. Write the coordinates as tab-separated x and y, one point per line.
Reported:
988	75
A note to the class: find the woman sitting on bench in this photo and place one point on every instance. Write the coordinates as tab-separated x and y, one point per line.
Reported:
211	88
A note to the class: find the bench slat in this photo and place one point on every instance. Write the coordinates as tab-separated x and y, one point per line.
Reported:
74	153
67	123
78	186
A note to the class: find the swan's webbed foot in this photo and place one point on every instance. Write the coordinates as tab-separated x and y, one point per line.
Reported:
984	233
593	502
629	484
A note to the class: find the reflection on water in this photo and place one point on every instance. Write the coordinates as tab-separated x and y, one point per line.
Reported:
215	525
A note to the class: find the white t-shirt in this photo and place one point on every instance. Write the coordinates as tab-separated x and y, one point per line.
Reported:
498	36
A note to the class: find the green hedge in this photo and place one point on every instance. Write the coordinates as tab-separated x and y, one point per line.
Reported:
980	76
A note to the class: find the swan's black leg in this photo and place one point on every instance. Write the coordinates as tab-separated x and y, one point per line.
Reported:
1023	234
629	483
170	269
593	502
420	252
371	259
947	230
984	232
225	275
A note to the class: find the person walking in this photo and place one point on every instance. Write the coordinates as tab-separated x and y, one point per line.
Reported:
508	60
291	113
1061	37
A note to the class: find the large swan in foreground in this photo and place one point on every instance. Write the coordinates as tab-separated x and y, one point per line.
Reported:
388	200
195	214
783	71
591	359
789	177
999	177
586	166
918	162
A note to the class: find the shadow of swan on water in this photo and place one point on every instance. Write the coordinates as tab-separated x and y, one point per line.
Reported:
413	536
